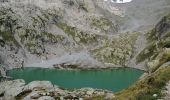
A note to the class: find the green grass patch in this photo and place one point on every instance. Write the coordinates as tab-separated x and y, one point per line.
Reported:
67	29
146	53
152	50
118	50
78	35
102	23
165	57
53	38
146	88
8	37
151	36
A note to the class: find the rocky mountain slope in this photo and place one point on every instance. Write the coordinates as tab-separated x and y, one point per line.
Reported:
48	33
155	84
34	32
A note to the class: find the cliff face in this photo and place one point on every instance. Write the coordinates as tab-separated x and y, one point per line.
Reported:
157	50
44	29
32	32
51	32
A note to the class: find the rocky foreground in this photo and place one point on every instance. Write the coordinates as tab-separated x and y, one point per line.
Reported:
45	90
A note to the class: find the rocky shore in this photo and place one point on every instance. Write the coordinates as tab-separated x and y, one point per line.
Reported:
2	72
45	90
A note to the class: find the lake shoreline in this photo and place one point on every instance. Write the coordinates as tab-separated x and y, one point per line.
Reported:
102	79
82	69
17	89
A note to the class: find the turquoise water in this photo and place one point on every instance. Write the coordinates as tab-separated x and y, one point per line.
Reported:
114	80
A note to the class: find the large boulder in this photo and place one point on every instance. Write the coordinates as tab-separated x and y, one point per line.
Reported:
46	98
10	89
39	84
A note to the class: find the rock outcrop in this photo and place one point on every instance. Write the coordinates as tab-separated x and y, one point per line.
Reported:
167	97
44	90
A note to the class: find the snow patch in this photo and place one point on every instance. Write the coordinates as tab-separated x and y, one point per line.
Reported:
120	1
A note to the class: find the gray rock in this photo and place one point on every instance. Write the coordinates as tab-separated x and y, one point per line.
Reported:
90	92
7	85
11	88
12	92
33	95
109	96
40	84
46	98
2	71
